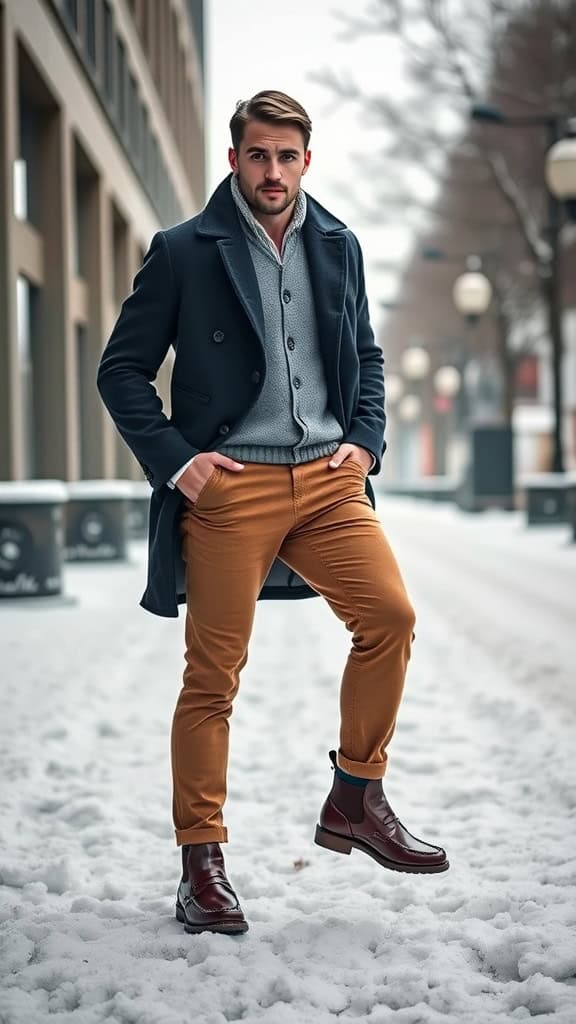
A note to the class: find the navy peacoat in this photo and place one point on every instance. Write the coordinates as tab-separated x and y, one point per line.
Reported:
197	292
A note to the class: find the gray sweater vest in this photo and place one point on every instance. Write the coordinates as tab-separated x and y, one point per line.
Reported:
290	421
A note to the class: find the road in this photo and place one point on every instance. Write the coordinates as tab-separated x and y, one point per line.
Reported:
508	590
482	762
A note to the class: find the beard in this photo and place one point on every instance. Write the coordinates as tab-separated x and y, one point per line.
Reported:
258	202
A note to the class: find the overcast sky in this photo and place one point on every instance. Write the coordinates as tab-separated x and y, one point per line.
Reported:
256	44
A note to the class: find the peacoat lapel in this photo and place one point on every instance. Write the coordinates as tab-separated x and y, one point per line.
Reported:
219	220
238	264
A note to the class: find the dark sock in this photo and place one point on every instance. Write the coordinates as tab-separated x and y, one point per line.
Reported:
350	778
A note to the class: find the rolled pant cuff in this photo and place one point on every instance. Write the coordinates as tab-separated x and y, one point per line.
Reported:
376	770
201	835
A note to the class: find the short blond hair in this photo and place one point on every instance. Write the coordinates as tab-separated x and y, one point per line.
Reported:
273	107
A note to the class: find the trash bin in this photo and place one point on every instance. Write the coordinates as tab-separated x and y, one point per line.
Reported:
97	520
31	538
139	509
489	475
546	498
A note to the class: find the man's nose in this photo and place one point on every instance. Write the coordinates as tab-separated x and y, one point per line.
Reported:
274	171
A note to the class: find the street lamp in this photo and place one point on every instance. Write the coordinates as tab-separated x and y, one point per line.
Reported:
560	170
472	295
472	291
409	408
447	381
488	473
415	362
560	174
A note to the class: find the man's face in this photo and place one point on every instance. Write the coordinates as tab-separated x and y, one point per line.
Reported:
270	163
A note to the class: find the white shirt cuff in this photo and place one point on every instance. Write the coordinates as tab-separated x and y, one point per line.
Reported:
171	483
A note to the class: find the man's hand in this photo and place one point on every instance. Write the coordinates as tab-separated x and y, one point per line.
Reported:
200	469
352	451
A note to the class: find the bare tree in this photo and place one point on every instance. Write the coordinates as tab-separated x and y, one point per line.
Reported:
518	53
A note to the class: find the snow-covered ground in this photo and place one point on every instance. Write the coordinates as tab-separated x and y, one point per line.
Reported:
483	761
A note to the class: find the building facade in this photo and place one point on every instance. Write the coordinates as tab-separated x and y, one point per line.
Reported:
101	144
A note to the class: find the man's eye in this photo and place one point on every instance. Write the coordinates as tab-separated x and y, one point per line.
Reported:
257	156
288	156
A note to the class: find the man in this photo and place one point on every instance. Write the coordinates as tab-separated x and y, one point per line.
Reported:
260	482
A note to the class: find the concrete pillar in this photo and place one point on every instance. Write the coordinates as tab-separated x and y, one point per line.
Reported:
11	440
57	414
100	448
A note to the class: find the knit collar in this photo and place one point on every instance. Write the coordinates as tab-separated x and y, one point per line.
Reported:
296	223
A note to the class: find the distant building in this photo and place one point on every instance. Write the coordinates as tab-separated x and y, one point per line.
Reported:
101	143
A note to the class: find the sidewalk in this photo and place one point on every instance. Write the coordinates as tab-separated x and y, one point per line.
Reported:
482	762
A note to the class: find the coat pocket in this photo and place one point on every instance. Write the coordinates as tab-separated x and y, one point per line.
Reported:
198	395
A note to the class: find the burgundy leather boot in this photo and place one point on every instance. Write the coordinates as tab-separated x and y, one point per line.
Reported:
361	816
206	902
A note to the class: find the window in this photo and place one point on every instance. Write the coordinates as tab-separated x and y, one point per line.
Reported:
133	120
21	189
84	387
108	51
91	31
121	83
28	190
145	144
25	302
80	225
71	12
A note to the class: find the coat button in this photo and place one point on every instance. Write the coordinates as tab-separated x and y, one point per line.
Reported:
224	429
286	296
297	382
255	377
218	336
290	342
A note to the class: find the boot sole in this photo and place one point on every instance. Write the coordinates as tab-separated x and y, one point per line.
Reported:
340	844
220	928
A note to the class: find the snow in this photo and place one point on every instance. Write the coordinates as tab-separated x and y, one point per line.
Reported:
106	490
32	492
482	762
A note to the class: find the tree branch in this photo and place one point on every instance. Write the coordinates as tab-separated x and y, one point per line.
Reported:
537	245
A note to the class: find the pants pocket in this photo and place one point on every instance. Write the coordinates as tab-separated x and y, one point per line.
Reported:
208	486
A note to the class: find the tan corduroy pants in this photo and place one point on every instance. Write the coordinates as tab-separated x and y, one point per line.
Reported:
321	523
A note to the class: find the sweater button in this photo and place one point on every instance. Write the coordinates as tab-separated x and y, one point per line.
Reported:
218	336
290	342
297	382
286	296
255	377
224	429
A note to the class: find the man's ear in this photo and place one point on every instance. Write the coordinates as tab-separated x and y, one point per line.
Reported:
307	159
233	159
